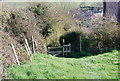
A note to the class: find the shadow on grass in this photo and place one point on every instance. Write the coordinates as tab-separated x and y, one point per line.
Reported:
83	54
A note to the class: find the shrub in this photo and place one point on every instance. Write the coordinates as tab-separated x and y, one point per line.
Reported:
40	9
102	37
47	30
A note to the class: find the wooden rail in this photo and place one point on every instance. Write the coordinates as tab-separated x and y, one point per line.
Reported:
54	51
55	47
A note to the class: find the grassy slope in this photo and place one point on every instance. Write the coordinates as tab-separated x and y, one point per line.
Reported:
103	66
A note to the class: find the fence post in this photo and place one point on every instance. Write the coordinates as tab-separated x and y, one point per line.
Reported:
66	51
36	46
63	40
99	45
28	52
69	47
33	44
80	44
28	46
15	54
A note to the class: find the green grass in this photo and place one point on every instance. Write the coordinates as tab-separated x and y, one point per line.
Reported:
102	66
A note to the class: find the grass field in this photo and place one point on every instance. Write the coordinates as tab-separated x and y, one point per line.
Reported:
102	66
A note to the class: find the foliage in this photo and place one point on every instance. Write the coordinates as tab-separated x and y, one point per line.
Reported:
40	10
47	30
106	35
43	66
60	22
102	36
73	38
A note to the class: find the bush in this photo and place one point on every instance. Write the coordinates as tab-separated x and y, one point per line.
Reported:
73	38
40	9
102	37
47	30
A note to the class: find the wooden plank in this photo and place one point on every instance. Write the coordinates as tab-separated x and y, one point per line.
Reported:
55	47
15	54
66	51
54	51
66	45
59	46
56	54
58	51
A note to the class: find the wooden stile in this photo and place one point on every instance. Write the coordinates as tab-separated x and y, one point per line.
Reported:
66	49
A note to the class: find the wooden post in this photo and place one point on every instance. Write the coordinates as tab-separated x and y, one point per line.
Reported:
33	44
99	45
70	47
80	44
28	46
63	40
28	52
15	54
36	46
67	49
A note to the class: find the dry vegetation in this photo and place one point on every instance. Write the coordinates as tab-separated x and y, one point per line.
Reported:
17	24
